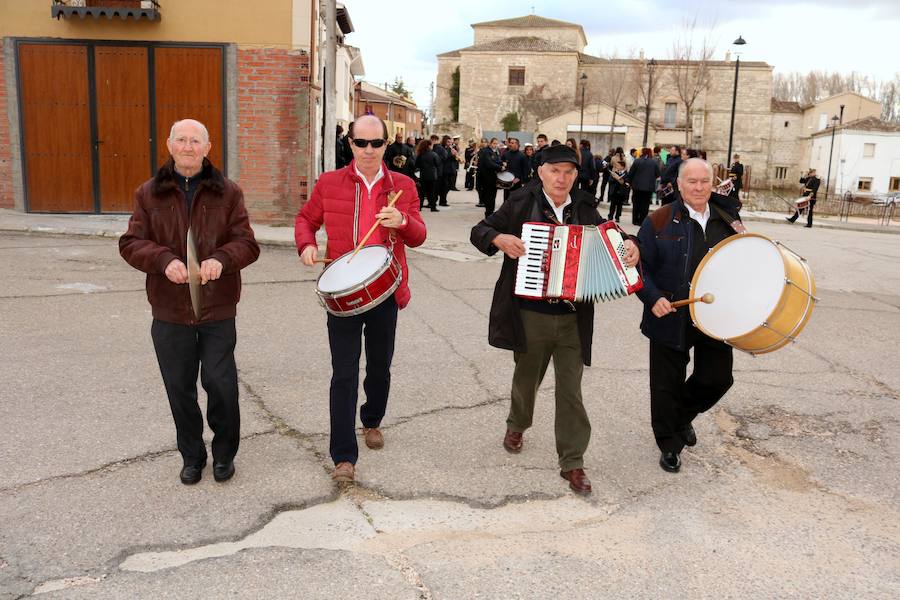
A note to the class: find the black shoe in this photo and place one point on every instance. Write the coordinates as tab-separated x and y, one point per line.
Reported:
789	220
223	471
689	435
191	474
810	226
434	210
453	189
479	205
670	461
443	204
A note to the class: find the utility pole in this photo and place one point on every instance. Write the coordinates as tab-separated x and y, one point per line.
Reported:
329	95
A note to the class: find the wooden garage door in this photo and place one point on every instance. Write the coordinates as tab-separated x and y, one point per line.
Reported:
123	123
56	124
188	85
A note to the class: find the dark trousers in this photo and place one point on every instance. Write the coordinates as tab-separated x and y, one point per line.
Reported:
809	215
604	181
470	179
615	206
641	208
182	351
429	193
487	195
675	402
556	337
448	180
345	335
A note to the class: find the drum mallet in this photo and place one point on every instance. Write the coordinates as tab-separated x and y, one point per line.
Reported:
363	241
705	298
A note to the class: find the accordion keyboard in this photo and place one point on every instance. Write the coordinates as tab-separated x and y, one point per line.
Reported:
531	276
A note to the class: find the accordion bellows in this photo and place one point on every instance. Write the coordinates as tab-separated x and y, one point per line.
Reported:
581	263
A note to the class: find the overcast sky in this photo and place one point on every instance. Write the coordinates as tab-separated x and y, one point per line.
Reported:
401	39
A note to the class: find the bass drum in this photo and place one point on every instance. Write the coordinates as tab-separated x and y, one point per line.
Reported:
764	293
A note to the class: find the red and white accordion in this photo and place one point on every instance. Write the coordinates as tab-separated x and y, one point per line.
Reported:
582	263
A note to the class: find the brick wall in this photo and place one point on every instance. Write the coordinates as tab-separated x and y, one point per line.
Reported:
6	177
273	131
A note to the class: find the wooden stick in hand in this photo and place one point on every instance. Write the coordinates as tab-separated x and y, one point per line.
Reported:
705	298
365	239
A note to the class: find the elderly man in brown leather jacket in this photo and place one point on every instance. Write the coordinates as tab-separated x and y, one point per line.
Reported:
194	334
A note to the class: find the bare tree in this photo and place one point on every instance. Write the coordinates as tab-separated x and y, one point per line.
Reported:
539	103
689	71
615	85
647	87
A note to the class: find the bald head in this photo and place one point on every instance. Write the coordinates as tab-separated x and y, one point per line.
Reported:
199	128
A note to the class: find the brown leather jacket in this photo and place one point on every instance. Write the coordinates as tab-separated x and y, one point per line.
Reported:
157	235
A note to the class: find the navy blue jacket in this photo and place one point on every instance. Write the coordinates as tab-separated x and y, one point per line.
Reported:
667	242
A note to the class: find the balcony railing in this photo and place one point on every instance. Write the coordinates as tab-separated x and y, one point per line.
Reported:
107	8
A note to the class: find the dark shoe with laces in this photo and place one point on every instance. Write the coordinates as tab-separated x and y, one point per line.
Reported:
223	471
191	474
670	461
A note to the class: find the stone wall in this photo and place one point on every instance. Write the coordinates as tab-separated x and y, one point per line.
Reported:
273	135
786	149
485	95
567	36
446	66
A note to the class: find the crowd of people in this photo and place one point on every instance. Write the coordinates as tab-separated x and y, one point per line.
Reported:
639	177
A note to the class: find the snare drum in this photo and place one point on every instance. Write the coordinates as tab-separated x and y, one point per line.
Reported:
764	293
505	180
346	288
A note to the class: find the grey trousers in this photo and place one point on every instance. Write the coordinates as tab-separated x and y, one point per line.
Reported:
556	337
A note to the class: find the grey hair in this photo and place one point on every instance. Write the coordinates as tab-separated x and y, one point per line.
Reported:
204	133
694	161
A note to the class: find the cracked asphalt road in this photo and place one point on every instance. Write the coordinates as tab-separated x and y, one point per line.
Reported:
792	490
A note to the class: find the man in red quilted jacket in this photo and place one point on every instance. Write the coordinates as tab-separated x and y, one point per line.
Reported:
348	202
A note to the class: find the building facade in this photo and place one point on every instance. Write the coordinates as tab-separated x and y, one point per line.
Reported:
537	67
88	91
400	114
864	156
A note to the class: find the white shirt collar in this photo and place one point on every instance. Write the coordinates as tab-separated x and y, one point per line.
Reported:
701	218
558	209
368	185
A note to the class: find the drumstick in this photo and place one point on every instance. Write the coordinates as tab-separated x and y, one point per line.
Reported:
324	261
363	241
705	298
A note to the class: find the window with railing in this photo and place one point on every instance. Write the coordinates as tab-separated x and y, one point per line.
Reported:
865	184
517	76
780	172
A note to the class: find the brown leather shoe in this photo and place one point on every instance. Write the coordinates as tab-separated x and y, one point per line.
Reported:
374	439
343	471
578	480
512	441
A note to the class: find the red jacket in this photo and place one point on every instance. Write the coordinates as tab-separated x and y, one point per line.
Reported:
333	202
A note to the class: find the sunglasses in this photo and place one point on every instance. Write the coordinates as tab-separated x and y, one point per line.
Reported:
377	143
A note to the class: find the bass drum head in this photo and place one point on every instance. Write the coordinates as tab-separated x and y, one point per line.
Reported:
342	274
746	274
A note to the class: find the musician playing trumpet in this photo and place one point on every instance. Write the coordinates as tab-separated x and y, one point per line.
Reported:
399	157
536	330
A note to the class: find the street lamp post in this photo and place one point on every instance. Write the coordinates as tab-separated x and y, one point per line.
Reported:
583	79
737	67
834	123
650	67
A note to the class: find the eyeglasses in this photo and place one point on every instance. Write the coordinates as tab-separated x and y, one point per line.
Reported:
377	143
